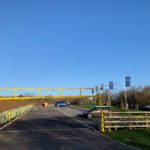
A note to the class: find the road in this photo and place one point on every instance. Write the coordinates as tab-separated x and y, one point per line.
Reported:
49	129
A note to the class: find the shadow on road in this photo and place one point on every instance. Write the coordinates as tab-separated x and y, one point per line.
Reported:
49	129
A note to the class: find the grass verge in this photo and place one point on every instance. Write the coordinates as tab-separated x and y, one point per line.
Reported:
139	138
87	105
115	108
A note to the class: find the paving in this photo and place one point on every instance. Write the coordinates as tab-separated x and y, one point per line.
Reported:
50	129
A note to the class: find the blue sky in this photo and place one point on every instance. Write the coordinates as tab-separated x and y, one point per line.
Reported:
74	43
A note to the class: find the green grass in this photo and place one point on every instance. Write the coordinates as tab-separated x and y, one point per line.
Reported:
87	105
115	108
139	138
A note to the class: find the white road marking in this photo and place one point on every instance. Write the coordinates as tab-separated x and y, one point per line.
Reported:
73	118
47	130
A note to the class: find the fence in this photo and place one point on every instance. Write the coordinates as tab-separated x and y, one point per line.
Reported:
7	116
130	119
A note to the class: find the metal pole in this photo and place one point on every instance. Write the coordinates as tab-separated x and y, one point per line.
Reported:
9	116
126	103
109	98
60	92
102	128
15	93
39	92
100	97
80	92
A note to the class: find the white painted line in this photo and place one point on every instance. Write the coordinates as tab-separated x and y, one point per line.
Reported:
46	130
73	118
15	119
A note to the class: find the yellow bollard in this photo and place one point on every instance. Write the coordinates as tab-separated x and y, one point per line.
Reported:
9	116
102	122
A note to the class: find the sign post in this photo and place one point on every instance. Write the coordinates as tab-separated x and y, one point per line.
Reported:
101	89
127	84
111	87
96	93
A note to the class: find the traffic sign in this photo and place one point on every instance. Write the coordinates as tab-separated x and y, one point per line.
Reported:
102	87
93	91
96	88
111	85
127	81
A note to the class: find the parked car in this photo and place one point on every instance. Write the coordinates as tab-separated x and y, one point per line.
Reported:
61	104
95	111
146	108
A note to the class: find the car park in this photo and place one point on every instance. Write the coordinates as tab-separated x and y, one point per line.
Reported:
95	111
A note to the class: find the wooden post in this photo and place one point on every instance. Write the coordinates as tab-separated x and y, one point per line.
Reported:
130	122
109	120
146	120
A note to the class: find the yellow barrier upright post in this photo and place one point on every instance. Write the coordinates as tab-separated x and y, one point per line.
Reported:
80	92
15	93
102	128
9	116
60	91
39	92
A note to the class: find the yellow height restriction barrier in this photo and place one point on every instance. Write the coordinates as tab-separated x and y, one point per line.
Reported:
102	126
7	116
50	90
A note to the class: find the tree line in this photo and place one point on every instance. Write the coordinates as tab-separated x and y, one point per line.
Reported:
139	97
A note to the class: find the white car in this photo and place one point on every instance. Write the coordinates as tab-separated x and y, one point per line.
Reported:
95	111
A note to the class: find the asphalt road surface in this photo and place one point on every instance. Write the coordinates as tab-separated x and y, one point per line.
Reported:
49	129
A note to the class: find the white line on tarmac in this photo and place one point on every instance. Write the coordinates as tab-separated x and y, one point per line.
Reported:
48	130
73	118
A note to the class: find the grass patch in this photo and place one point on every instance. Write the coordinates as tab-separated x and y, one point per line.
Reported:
139	138
115	108
87	105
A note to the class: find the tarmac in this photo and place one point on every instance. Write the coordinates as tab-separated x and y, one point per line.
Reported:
45	128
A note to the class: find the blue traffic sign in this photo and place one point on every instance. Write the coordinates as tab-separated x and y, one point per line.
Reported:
111	85
102	87
96	88
127	81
